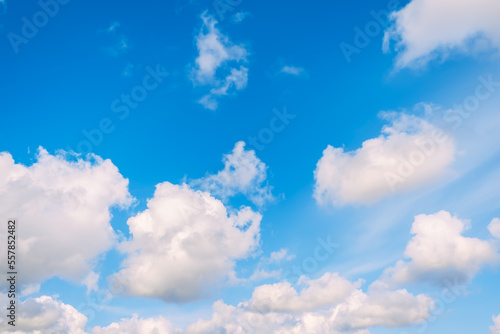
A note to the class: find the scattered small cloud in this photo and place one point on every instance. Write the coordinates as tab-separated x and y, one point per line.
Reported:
292	70
243	173
219	63
282	254
128	71
119	43
113	27
240	16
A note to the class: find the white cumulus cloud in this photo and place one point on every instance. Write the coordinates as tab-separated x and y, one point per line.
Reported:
439	253
44	315
62	206
283	297
184	243
243	173
346	311
408	153
136	325
429	29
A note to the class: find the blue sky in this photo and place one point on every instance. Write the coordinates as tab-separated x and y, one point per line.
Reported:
199	151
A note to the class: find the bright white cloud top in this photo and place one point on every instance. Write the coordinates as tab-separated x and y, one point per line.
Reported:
243	173
409	152
192	232
346	309
429	29
440	254
322	292
63	207
45	315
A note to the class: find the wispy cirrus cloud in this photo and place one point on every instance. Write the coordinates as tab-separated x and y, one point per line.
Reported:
119	43
293	70
3	7
220	64
128	71
240	16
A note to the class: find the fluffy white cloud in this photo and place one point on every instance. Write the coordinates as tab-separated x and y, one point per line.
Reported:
217	63
494	228
280	255
243	173
282	297
349	310
439	253
62	206
354	313
381	308
495	329
427	29
408	153
136	325
44	315
185	242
